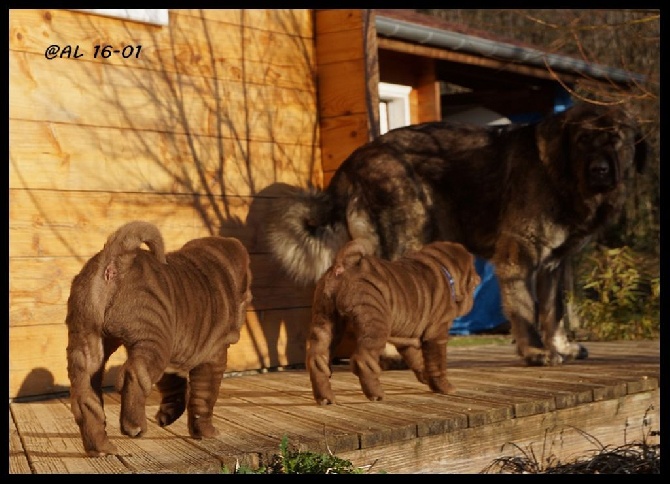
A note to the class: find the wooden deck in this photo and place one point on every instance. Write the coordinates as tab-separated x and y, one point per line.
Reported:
611	398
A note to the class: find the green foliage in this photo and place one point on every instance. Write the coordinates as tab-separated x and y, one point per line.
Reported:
620	296
292	461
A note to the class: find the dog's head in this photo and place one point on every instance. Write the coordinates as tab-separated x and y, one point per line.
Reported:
592	145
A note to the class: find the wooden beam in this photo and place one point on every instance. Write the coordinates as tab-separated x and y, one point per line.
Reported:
447	55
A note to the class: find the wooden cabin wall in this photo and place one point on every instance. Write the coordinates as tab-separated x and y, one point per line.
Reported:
348	78
195	134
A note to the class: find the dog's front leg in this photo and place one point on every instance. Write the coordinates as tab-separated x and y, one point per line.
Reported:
551	310
372	332
413	356
515	266
204	385
435	362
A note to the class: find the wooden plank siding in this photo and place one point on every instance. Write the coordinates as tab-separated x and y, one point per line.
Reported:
347	78
194	135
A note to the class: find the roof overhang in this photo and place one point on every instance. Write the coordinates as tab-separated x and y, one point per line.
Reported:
529	61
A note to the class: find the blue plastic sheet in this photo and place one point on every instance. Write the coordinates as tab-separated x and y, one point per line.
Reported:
486	312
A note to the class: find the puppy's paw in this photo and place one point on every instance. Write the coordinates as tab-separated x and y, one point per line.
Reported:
441	385
201	428
421	376
325	401
133	424
102	449
169	412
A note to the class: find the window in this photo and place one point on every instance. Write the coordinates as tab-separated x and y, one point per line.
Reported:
393	106
155	16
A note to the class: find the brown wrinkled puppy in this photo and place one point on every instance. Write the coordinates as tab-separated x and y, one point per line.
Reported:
410	302
522	196
176	314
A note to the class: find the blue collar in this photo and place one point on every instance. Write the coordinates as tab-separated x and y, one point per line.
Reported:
450	278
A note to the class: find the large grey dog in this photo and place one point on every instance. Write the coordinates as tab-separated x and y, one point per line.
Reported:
523	196
176	314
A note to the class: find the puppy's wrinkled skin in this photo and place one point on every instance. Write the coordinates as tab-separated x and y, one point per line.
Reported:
410	302
175	314
523	196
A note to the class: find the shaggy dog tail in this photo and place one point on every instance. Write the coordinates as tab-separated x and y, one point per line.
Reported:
304	232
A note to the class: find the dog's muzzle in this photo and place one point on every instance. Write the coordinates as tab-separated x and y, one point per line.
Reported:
602	174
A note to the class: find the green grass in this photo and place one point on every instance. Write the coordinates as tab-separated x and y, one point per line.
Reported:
477	340
293	461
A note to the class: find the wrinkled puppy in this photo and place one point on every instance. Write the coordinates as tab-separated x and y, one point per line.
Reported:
410	302
175	314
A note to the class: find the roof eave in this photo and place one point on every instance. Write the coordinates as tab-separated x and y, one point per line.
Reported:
394	28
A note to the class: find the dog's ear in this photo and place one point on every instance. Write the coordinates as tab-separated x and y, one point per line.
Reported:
552	138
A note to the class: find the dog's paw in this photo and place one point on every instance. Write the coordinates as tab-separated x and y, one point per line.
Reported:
103	449
567	349
133	426
540	357
375	398
200	427
575	351
441	385
168	413
325	401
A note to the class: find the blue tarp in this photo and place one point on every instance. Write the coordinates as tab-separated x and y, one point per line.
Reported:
487	312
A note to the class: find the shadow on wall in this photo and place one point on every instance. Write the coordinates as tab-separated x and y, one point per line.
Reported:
210	133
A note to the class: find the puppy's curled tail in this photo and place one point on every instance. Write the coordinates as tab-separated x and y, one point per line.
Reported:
304	233
351	254
128	238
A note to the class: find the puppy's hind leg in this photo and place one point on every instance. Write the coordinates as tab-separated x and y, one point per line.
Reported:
319	344
86	358
204	382
173	398
143	368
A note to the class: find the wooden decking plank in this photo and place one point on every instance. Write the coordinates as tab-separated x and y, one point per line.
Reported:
373	429
566	393
53	444
535	396
478	412
471	450
328	434
267	420
18	462
235	443
158	450
428	419
422	431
